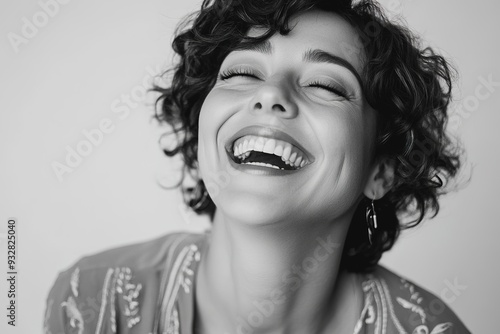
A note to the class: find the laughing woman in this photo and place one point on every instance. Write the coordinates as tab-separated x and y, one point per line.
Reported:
313	127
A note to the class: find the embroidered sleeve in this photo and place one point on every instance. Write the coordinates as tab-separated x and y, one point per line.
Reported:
108	304
402	307
62	314
426	312
131	289
181	277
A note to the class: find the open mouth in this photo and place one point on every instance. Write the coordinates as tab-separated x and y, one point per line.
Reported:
267	152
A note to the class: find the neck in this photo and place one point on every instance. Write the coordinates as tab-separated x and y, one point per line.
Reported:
270	278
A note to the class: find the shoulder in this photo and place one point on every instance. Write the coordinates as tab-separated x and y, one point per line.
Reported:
129	278
148	256
407	306
140	256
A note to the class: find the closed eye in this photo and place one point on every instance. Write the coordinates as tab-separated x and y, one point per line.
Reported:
240	72
337	90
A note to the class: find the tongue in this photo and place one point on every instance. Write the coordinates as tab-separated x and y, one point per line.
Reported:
267	158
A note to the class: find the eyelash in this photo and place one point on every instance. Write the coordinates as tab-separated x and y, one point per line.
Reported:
330	87
237	72
227	74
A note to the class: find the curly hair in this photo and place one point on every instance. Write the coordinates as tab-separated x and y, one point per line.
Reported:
410	87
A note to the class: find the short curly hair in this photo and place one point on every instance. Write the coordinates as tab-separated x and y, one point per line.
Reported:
409	86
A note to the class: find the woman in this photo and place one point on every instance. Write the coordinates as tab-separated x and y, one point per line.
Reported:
316	132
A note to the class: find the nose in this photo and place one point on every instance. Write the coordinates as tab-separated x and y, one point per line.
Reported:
274	97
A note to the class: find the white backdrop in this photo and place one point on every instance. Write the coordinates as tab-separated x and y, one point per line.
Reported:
84	67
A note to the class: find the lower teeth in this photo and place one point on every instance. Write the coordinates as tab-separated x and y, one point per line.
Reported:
262	164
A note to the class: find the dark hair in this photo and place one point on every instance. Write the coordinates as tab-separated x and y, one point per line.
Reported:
410	88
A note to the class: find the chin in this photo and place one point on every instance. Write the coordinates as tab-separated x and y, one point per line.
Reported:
252	209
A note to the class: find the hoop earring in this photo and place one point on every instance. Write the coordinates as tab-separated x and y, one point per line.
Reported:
371	221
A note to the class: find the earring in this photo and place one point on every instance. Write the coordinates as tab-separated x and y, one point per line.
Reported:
202	203
371	220
197	197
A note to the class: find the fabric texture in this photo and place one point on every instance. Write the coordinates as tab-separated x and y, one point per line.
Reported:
149	288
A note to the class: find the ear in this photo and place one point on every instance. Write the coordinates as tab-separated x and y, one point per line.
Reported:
380	179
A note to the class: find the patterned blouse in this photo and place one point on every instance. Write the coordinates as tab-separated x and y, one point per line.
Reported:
148	288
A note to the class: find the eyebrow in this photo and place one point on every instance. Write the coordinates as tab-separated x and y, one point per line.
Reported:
320	56
310	56
262	47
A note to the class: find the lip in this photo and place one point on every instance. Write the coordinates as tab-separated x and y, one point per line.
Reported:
267	132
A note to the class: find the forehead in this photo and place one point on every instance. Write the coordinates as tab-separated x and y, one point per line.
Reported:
317	29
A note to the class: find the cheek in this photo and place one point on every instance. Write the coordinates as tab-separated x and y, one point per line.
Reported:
346	142
214	113
345	134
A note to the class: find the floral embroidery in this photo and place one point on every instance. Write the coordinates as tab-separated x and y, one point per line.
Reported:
441	328
74	281
112	303
390	305
415	306
186	271
378	302
173	328
371	315
72	312
105	291
130	294
378	309
120	301
181	275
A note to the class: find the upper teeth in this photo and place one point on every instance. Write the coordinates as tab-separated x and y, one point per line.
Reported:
288	153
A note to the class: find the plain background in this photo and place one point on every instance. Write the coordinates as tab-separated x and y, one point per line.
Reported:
81	65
